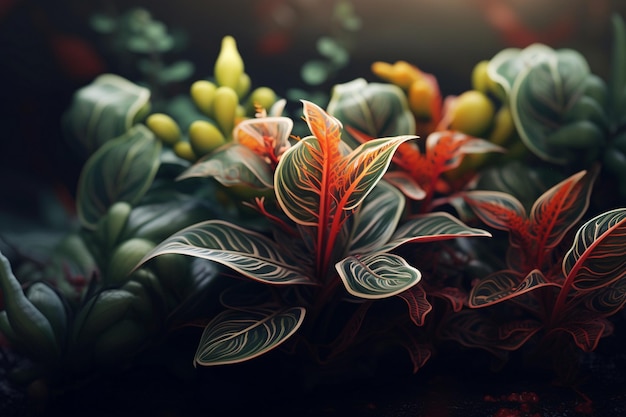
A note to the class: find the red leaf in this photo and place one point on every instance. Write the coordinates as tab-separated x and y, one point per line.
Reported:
419	306
586	334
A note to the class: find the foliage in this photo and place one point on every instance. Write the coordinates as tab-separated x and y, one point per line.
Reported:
208	213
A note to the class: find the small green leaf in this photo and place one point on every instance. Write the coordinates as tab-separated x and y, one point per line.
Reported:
377	276
375	109
121	170
233	164
236	336
104	110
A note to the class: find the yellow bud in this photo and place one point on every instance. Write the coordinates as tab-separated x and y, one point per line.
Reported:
229	65
225	108
202	93
480	78
204	137
503	126
262	96
472	113
243	86
421	95
164	127
401	73
183	149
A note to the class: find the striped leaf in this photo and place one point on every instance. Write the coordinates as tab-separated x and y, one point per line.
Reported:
247	252
377	276
235	336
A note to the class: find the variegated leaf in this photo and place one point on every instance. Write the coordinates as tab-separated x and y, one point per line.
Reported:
504	285
233	164
405	183
377	276
560	208
586	334
514	334
236	336
244	251
429	228
597	257
498	210
376	219
419	307
268	137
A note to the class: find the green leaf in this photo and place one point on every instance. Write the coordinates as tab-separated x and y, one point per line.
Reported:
375	109
596	259
377	276
429	228
376	219
233	164
541	97
46	300
507	64
244	251
121	170
498	210
236	336
104	110
176	72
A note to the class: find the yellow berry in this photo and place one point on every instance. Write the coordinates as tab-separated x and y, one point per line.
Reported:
225	108
164	127
202	93
421	95
204	137
472	113
183	149
262	96
243	86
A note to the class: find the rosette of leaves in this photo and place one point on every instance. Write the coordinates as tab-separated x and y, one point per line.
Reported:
370	110
336	227
565	114
562	286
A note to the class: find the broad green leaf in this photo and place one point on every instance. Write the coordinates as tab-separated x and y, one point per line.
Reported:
236	336
377	276
104	110
233	164
597	258
46	300
560	208
244	251
498	210
376	219
162	213
429	228
541	97
376	109
121	170
504	285
507	64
